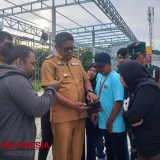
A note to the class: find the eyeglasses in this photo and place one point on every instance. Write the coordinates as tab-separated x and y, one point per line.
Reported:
67	49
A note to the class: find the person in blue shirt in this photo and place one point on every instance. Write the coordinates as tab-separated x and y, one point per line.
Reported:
111	96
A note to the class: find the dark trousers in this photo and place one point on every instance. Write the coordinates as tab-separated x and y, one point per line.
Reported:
157	157
14	158
95	141
100	143
47	136
115	144
134	150
91	141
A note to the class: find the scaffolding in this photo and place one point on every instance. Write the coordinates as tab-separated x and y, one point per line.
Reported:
20	16
94	24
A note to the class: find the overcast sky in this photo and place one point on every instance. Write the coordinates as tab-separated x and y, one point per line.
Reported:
134	13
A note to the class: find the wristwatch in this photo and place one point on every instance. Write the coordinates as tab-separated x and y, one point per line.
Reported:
90	90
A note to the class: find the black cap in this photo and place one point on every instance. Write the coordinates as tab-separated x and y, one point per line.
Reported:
101	59
136	49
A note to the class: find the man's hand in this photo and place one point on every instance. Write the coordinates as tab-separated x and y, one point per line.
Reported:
138	123
109	126
94	117
92	97
57	84
79	107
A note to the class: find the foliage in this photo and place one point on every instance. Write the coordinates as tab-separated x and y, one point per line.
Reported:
36	76
36	83
85	57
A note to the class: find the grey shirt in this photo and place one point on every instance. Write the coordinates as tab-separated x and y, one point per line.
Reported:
19	105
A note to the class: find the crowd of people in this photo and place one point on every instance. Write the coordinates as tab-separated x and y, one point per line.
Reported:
108	104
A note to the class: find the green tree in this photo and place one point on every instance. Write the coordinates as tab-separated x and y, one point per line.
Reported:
41	54
85	56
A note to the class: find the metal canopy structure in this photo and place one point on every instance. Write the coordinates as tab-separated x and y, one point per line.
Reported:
93	23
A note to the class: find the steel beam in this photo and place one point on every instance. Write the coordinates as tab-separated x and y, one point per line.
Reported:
21	9
72	3
22	26
105	5
99	27
109	10
89	44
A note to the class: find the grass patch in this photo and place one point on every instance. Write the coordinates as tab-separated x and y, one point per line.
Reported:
37	85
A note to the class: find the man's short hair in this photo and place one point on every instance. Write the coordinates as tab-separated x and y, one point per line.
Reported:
123	52
5	35
62	37
19	51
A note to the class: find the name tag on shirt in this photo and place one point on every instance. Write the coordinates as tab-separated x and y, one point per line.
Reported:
60	64
74	64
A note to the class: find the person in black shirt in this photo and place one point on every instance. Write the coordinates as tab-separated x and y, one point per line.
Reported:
143	113
137	51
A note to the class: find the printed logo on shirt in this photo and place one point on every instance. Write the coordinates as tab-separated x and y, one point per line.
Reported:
105	86
126	103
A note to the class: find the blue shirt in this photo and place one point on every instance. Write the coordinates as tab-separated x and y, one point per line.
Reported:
111	92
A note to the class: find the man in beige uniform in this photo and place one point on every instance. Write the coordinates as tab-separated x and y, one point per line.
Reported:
68	113
5	39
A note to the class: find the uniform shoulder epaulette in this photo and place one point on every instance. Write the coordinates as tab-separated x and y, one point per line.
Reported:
50	56
75	57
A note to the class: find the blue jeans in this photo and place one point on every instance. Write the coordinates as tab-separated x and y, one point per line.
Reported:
115	144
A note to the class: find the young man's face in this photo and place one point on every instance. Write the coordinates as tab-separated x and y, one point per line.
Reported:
104	70
142	59
66	50
29	65
121	59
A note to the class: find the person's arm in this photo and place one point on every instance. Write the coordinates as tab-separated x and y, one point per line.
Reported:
116	108
91	96
144	100
88	85
26	98
118	96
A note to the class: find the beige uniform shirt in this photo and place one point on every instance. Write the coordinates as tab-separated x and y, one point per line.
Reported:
74	78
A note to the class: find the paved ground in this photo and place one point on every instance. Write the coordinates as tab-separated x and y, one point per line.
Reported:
38	138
